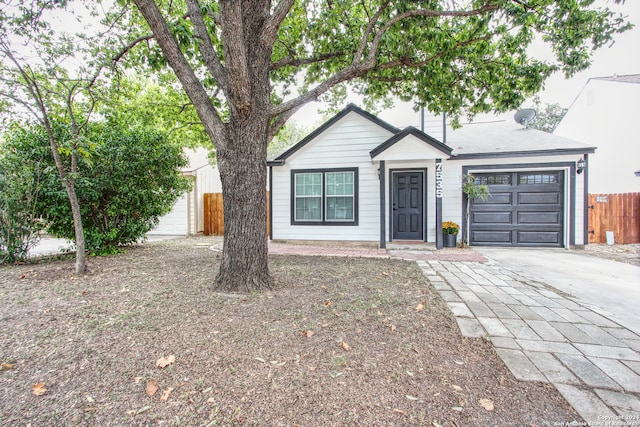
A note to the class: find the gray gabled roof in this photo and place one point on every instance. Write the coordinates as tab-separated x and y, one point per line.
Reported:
629	78
507	139
415	132
280	159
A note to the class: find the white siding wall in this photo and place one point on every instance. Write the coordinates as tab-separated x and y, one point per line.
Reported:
345	144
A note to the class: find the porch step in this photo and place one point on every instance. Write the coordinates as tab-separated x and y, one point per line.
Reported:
410	246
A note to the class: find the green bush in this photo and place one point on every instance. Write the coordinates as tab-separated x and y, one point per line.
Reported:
20	223
127	179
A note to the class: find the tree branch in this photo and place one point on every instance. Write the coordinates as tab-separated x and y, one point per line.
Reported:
291	61
130	46
280	121
361	66
207	50
270	30
206	111
369	31
373	51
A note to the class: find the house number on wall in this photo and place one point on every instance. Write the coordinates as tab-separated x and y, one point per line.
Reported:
439	180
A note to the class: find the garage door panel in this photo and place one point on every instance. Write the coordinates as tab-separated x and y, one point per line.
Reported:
491	237
528	212
496	199
539	237
539	218
547	198
491	218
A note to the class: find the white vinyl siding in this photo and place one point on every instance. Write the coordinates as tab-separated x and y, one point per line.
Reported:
345	145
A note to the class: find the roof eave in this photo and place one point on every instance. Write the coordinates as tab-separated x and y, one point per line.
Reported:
552	152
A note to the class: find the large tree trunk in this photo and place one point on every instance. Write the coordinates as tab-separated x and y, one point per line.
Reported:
243	173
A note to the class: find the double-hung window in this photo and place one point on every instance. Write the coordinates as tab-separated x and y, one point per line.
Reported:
324	197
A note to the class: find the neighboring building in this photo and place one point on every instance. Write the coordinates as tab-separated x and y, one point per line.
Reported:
359	178
186	216
605	114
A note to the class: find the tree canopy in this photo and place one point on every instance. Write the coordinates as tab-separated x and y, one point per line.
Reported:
249	65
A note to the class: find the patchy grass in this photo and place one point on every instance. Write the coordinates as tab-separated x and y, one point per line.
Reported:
339	343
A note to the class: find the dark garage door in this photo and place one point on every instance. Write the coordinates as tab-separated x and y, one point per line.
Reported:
525	209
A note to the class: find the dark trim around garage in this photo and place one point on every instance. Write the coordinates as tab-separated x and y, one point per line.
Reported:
518	167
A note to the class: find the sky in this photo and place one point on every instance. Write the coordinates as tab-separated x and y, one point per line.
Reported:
621	58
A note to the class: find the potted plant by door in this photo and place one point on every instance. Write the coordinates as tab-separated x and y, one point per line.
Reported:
450	234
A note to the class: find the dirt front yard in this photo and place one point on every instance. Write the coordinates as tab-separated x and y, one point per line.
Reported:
341	341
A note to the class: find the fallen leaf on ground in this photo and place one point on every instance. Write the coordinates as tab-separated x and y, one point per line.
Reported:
6	366
163	362
486	404
137	380
345	346
166	393
152	387
457	408
307	333
328	303
38	389
456	387
419	307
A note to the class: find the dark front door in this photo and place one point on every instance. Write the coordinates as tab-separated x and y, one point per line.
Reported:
408	206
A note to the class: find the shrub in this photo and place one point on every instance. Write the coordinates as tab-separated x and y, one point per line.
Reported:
126	181
20	223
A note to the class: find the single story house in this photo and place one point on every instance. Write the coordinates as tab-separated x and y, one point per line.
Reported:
360	178
605	113
187	215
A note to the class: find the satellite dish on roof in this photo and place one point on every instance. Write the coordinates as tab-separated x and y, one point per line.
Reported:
524	116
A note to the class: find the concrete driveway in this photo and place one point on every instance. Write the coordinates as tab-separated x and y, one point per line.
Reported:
610	286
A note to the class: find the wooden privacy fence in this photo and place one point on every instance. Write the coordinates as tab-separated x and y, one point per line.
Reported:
619	213
214	214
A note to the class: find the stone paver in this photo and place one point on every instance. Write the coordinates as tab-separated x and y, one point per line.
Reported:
542	335
587	371
552	368
587	404
520	366
629	380
470	327
623	403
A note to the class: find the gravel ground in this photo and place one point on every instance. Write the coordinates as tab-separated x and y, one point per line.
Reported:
629	254
340	342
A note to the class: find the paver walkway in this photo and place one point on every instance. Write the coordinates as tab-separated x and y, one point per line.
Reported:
544	335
